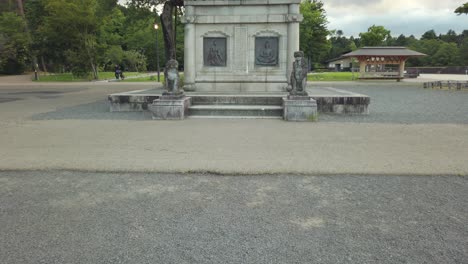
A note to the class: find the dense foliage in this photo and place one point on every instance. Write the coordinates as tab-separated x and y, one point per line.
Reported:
81	36
462	9
450	49
314	32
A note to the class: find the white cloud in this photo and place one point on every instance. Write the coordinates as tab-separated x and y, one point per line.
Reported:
400	16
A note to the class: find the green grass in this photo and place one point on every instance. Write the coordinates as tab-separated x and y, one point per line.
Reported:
68	77
153	78
332	76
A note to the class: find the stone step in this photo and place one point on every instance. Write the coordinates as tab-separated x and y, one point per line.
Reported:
258	100
236	110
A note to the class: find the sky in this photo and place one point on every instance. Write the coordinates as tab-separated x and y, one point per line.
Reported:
409	17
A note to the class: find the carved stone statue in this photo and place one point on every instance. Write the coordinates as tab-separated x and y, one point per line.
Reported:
215	57
171	74
266	51
266	56
298	81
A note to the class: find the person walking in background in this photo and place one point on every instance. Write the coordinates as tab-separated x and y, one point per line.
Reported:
119	72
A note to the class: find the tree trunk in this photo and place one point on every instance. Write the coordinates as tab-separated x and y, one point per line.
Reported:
19	4
28	32
44	67
168	30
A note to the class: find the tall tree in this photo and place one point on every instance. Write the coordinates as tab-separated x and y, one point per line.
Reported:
462	9
451	36
464	52
375	36
14	43
73	25
314	32
446	55
430	34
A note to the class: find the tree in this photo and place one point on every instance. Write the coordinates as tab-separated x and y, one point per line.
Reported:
428	35
72	25
375	36
14	43
447	55
451	36
401	41
429	47
314	32
462	9
340	45
464	52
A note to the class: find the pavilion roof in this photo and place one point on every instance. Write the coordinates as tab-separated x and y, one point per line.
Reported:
384	51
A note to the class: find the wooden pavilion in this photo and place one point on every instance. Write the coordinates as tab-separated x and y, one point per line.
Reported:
382	62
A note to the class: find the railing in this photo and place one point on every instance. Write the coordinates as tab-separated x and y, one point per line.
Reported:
380	75
447	85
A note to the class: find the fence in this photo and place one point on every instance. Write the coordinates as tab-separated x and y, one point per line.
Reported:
447	84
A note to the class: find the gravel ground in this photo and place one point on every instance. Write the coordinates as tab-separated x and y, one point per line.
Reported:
73	217
390	103
407	104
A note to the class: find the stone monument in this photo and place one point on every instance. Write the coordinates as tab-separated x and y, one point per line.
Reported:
299	106
239	45
173	104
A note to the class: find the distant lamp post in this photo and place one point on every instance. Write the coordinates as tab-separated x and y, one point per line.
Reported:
156	27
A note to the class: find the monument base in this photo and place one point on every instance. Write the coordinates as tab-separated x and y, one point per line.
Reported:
300	109
170	109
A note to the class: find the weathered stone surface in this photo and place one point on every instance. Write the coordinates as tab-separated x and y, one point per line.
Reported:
240	46
300	110
343	105
130	103
170	109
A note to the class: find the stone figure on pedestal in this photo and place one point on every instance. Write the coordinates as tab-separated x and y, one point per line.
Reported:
298	81
171	74
299	106
173	104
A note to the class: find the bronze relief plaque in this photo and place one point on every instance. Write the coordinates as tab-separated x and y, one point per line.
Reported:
214	52
266	51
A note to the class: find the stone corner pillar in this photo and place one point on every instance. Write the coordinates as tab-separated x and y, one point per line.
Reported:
293	19
189	49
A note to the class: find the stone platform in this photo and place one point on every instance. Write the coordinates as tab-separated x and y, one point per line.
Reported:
259	105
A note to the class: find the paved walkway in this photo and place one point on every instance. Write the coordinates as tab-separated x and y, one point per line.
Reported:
206	145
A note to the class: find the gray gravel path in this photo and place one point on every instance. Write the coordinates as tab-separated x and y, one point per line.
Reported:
406	103
73	217
390	103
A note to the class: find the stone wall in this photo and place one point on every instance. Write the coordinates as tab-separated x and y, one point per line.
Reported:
240	46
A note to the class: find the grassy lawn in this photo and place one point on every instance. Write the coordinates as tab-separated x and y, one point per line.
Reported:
153	78
68	77
332	76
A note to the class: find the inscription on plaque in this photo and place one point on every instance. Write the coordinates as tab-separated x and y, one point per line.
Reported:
214	52
266	51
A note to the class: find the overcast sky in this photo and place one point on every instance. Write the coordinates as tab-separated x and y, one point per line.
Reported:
400	16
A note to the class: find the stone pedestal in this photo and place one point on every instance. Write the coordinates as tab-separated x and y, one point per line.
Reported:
300	109
170	108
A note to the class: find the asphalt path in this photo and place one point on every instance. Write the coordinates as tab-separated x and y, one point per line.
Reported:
75	217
